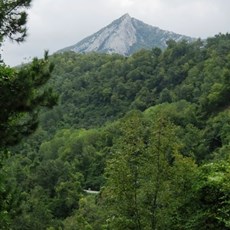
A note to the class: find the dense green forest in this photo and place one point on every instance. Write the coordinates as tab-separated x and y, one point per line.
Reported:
150	133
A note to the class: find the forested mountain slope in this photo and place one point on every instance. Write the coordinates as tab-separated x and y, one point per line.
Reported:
95	88
150	131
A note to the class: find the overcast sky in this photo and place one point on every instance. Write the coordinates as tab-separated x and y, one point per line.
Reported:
55	24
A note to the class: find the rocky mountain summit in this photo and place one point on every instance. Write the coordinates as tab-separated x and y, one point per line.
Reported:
125	36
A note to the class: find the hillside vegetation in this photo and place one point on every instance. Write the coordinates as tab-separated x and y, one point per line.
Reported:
151	132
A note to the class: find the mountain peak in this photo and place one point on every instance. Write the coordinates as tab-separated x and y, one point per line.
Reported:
125	36
125	16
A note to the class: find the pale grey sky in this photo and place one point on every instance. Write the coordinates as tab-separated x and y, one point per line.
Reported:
55	24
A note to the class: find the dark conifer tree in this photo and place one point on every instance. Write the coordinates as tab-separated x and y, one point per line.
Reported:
13	19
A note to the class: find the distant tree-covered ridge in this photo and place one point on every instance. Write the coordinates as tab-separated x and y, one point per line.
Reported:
96	88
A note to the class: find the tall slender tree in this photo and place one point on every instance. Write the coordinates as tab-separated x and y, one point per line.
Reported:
123	172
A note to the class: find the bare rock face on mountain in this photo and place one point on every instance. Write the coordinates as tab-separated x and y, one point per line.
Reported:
125	36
